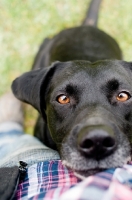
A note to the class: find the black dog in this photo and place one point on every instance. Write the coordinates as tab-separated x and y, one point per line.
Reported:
85	103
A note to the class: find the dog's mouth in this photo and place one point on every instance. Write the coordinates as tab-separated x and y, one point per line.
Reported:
82	174
84	165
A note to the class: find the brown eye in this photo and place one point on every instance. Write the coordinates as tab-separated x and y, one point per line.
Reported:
63	99
123	96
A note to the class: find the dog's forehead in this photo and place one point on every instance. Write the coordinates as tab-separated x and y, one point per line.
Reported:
85	71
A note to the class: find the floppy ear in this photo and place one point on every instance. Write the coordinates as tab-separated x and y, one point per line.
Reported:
27	87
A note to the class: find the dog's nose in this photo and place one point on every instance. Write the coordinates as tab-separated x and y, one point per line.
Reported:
97	143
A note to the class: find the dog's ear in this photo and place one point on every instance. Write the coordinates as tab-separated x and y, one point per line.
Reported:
27	87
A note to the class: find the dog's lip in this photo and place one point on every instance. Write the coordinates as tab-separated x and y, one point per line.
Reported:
82	174
85	172
89	170
70	166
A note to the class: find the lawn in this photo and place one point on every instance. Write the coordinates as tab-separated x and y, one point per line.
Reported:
24	24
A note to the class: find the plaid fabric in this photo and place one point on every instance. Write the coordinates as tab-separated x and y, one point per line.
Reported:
43	177
50	180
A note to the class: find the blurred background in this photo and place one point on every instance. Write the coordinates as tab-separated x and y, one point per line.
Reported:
24	24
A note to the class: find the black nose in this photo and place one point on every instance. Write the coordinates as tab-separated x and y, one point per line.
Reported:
97	142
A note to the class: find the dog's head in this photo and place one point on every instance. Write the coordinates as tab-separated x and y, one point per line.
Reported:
88	110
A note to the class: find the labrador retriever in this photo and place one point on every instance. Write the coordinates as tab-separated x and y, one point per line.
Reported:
82	90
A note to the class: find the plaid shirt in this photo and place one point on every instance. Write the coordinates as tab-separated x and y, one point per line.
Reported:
50	180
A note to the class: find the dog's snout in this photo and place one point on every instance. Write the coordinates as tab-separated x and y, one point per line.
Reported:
96	142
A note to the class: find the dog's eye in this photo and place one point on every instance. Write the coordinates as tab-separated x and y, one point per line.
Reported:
63	99
123	96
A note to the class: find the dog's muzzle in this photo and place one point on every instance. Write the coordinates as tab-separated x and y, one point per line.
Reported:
96	141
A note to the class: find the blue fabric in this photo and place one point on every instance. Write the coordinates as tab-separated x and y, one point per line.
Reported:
15	145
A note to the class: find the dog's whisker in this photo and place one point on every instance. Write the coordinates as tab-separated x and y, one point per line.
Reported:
67	164
79	176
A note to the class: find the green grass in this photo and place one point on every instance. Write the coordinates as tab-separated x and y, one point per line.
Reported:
24	24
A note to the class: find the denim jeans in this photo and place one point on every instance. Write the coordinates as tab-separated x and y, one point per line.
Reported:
16	146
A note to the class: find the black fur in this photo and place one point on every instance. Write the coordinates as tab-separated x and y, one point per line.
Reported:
93	131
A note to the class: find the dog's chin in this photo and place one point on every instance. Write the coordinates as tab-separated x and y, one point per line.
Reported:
83	174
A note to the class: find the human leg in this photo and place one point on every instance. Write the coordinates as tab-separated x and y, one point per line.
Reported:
14	144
